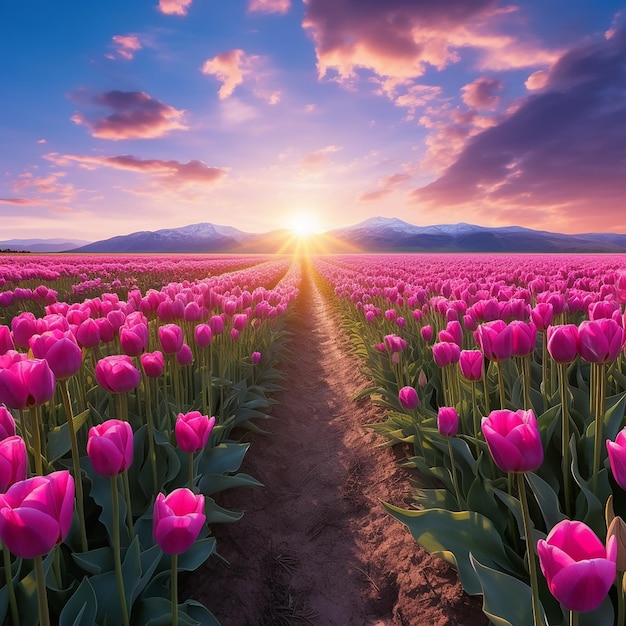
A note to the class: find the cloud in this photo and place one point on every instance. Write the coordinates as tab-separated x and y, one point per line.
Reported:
174	7
387	185
402	38
135	115
168	175
482	93
20	201
560	151
229	68
269	6
315	162
124	46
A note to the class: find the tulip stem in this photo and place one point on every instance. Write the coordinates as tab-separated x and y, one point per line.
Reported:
620	598
69	416
573	618
117	550
600	369
455	480
565	462
42	596
8	575
34	424
530	549
150	424
544	368
475	419
129	507
174	589
501	385
191	471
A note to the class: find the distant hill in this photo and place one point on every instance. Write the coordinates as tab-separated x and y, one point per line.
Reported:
377	234
41	245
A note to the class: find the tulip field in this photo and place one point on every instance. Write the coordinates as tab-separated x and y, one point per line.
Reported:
124	380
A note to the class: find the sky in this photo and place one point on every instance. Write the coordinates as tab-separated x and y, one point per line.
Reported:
121	116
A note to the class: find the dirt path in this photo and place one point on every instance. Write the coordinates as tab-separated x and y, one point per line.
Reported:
315	545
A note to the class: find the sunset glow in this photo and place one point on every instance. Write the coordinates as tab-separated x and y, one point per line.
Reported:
157	114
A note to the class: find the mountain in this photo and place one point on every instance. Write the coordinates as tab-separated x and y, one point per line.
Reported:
377	234
41	245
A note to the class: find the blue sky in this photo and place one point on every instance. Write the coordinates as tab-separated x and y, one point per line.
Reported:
126	116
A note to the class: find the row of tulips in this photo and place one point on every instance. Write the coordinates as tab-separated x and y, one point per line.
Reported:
504	378
116	424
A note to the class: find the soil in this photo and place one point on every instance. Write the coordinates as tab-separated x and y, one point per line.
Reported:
315	545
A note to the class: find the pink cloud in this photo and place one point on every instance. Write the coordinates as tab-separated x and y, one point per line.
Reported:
135	115
387	185
125	46
229	68
20	201
269	6
169	174
314	162
373	196
483	93
557	156
174	7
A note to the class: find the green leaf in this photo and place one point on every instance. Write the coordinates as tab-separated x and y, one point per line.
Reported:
59	437
221	459
547	500
82	607
507	601
215	514
213	483
453	536
199	552
157	611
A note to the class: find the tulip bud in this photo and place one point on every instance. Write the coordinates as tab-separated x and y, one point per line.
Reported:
13	461
117	374
192	431
446	353
600	341
184	356
255	357
177	520
203	335
563	342
152	363
171	338
7	423
447	421
408	398
110	447
472	364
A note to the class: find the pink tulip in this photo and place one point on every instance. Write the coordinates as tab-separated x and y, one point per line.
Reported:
202	335
7	423
447	421
240	321
110	447
446	353
578	568
408	398
472	364
617	457
134	339
26	384
394	343
13	461
192	431
513	440
177	520
563	342
524	337
542	315
600	341
495	339
184	356
63	354
427	333
117	374
217	324
23	326
6	340
88	333
171	338
255	358
36	514
152	363
452	333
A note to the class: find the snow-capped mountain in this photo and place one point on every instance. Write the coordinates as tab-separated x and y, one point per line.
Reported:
41	245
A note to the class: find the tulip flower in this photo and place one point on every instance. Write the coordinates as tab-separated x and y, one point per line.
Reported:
192	431
36	514
134	339
177	520
117	374
255	358
408	398
240	321
472	364
203	335
217	324
513	440
427	333
13	461
617	457
6	340
23	327
563	342
184	356
579	570
171	338
447	421
152	363
524	337
600	341
88	333
60	350
7	423
26	384
495	339
446	353
110	447
542	315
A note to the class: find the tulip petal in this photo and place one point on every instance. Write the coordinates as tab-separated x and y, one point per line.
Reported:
583	585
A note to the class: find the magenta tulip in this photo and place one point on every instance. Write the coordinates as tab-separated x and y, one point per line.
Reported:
6	340
117	374
88	333
394	343
563	342
26	384
617	457
600	341
36	514
217	324
408	398
171	338
447	421
240	321
152	363
13	461
192	431
524	337
446	353
110	447
202	335
7	423
495	339
63	354
255	358
134	339
472	364
578	568
427	333
177	520
542	315
513	440
184	356
23	327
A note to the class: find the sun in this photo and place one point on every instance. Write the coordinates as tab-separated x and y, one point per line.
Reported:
302	224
